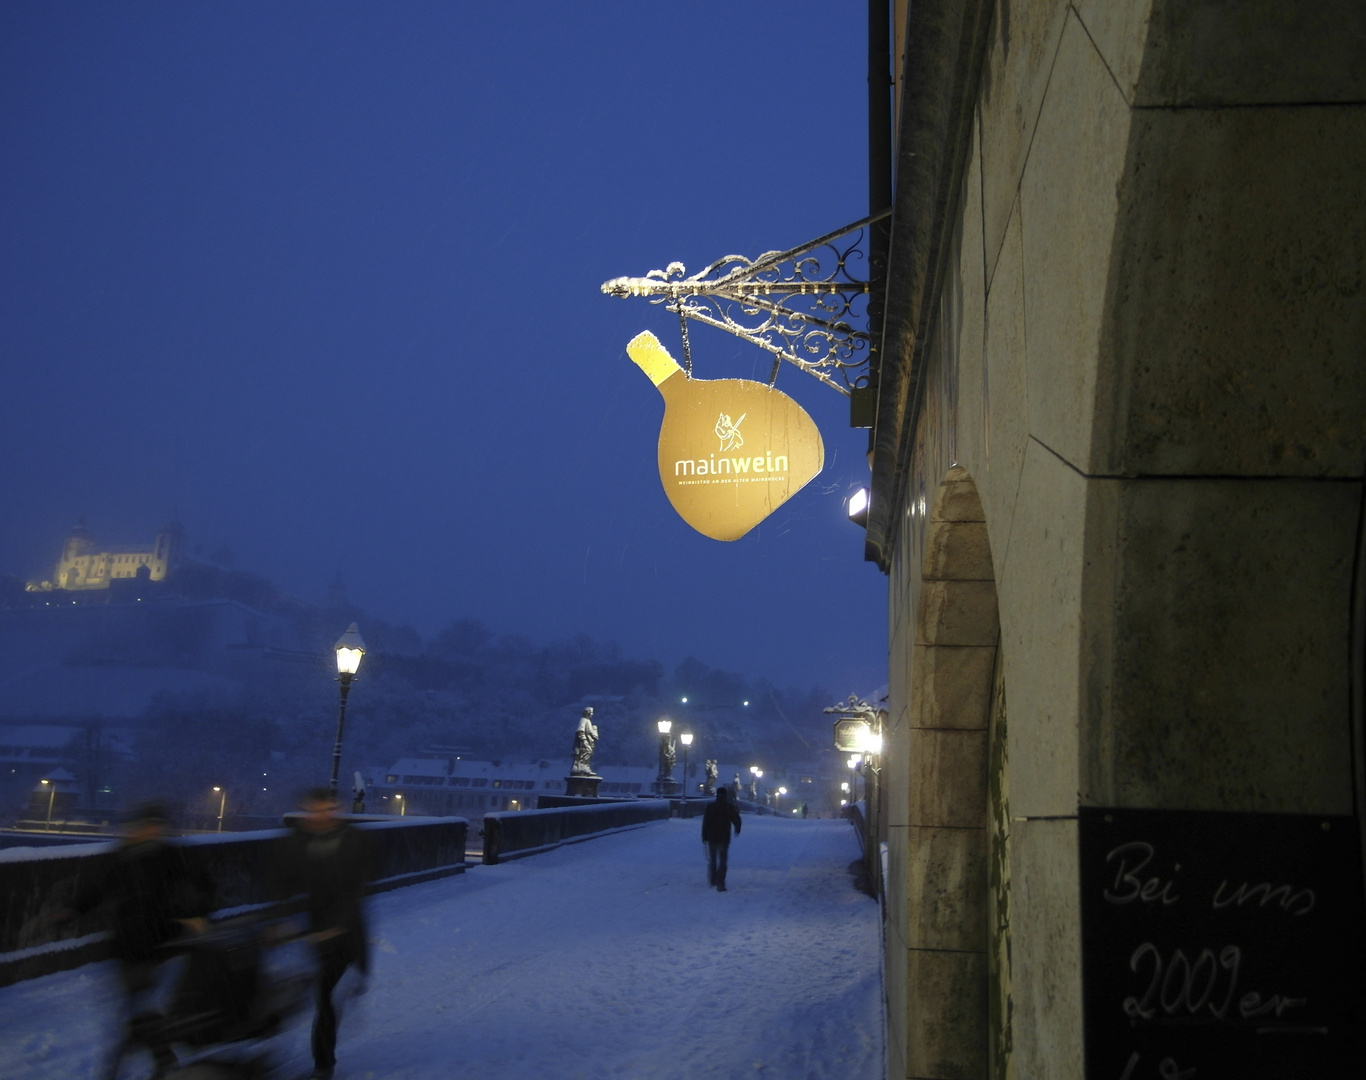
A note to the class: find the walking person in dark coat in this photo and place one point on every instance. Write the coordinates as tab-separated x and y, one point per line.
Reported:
716	824
154	896
330	862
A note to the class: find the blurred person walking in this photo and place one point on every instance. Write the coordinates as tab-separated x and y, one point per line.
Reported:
329	862
717	820
154	896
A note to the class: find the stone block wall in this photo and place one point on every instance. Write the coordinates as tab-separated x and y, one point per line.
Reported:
1145	354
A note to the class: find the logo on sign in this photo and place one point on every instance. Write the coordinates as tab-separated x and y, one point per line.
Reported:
729	433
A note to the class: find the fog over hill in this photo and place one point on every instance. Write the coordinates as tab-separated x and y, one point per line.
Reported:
218	677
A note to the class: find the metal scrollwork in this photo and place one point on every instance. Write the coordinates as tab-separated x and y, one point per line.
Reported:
800	305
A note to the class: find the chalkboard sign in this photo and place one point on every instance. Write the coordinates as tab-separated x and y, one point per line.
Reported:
1222	946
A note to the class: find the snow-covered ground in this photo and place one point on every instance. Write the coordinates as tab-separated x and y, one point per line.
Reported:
606	960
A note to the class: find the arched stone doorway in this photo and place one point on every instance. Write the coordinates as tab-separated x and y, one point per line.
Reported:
957	882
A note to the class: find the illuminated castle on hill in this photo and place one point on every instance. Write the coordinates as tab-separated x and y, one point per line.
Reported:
81	568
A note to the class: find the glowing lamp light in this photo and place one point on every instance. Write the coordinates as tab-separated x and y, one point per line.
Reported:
855	760
858	508
844	786
865	741
665	726
684	700
350	648
782	791
685	738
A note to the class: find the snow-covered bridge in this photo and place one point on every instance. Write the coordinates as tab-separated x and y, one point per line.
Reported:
610	960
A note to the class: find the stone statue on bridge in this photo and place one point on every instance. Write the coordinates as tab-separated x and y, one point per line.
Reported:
585	738
710	769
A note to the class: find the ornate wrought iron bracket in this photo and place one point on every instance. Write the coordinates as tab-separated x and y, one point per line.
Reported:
854	707
800	305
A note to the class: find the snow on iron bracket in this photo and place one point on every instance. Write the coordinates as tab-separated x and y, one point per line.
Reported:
800	305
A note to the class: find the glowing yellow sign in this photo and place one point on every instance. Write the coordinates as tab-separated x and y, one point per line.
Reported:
731	451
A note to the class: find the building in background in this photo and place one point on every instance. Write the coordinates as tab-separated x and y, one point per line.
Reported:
82	568
463	787
1117	489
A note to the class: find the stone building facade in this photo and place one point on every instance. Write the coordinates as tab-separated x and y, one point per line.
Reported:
1117	470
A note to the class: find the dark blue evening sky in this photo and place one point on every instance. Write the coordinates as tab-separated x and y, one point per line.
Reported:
322	280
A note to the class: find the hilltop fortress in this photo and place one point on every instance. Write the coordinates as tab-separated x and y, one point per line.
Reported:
81	568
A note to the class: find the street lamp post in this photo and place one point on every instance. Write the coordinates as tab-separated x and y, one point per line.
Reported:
222	802
755	773
402	806
349	648
51	795
685	737
665	781
854	761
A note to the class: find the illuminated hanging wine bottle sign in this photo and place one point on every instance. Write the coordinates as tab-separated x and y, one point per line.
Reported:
731	451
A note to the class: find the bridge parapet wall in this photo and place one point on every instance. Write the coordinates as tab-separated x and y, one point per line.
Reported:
35	884
517	833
